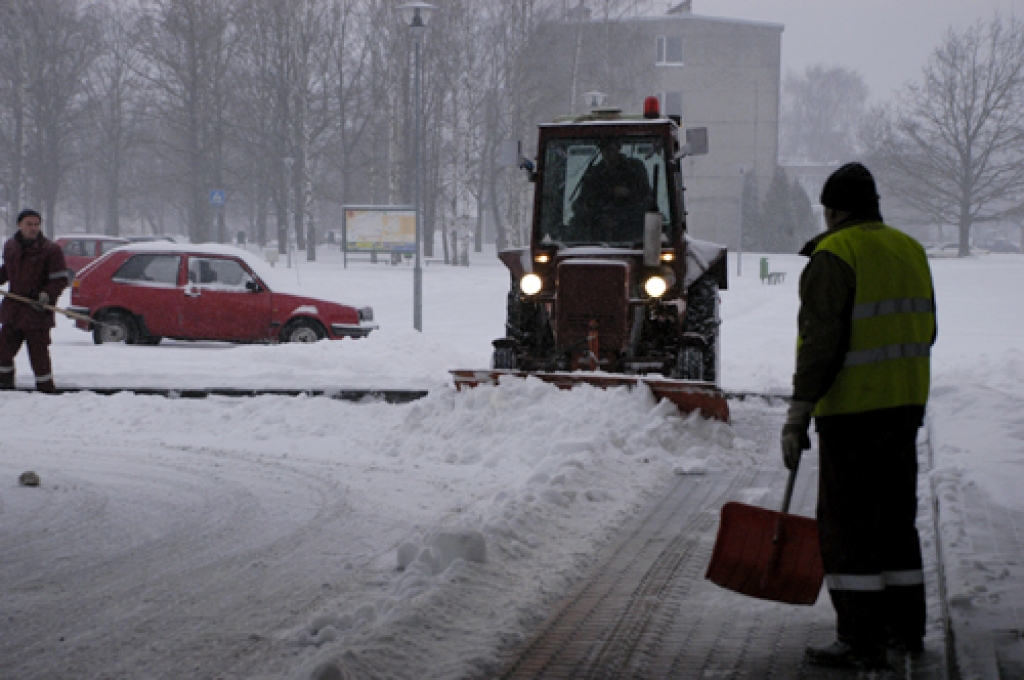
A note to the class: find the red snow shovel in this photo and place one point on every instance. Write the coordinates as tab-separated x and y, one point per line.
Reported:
767	554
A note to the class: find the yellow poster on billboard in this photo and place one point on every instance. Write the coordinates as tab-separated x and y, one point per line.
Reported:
369	229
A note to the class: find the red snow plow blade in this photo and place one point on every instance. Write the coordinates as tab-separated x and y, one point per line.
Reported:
687	395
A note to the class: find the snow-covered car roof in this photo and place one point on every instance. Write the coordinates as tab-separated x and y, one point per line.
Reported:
91	237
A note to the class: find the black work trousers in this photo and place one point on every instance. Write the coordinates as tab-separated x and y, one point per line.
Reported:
867	509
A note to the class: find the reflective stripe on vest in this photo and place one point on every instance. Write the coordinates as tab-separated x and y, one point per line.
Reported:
910	577
892	323
867	310
887	353
859	582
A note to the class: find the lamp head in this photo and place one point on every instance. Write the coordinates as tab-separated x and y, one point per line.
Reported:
594	98
416	14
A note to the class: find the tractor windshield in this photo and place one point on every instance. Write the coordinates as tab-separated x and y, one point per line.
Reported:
596	191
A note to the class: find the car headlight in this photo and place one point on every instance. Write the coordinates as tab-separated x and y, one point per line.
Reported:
530	284
656	286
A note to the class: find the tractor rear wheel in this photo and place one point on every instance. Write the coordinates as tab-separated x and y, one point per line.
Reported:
700	320
504	358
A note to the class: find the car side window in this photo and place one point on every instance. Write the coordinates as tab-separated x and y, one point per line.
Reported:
218	274
161	270
107	246
74	248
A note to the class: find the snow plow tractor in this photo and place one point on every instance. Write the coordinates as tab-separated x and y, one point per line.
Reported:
611	289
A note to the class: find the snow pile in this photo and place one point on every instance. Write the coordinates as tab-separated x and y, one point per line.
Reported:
539	495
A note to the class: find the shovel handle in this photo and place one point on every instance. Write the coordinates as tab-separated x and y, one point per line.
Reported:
53	308
789	489
785	509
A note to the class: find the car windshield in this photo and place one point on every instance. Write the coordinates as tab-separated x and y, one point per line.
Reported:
596	191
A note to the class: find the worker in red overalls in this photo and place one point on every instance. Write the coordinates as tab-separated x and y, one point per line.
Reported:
35	268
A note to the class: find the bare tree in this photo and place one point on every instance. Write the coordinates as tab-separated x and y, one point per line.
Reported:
115	106
13	114
58	42
821	112
953	145
189	45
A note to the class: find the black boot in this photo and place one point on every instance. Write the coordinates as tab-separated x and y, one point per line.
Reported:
844	655
911	646
46	386
7	380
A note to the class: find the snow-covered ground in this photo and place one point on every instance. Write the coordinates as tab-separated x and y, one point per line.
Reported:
262	537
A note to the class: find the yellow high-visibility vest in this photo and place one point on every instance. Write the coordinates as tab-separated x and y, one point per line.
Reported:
888	363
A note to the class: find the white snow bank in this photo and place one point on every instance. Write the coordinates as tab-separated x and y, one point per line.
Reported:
539	493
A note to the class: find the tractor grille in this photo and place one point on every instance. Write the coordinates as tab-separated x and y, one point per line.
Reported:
592	289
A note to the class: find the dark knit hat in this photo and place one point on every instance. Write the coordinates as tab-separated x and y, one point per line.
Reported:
851	188
29	212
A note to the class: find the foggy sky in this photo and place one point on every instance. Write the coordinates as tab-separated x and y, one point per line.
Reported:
887	41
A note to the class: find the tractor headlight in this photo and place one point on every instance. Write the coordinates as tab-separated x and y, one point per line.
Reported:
656	286
530	284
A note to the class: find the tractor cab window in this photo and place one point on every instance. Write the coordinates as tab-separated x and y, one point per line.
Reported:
596	191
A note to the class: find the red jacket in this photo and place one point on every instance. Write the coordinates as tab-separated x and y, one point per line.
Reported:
31	269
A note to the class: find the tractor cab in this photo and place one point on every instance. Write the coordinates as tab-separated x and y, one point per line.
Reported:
610	281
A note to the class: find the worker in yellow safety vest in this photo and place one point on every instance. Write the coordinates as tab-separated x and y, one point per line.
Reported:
865	330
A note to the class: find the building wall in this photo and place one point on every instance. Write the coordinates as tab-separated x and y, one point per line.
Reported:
730	83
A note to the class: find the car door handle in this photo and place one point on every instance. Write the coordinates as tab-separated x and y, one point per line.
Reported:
193	292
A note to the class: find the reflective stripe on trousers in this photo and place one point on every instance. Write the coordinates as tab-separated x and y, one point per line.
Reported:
874	582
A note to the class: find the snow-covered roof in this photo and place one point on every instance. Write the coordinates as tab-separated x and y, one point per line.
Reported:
91	237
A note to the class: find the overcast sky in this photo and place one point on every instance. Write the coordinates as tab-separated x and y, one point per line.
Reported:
887	41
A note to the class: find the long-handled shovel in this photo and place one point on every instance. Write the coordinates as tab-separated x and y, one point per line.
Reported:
66	312
767	554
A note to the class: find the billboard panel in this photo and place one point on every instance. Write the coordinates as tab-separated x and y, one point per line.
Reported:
377	229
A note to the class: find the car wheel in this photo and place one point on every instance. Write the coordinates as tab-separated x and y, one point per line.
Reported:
303	330
116	327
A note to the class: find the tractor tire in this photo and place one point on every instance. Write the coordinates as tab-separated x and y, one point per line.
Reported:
504	358
528	324
701	319
690	364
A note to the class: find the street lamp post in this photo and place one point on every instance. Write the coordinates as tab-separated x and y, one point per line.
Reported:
288	163
417	15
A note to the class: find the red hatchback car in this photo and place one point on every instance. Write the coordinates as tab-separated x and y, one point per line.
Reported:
148	291
81	249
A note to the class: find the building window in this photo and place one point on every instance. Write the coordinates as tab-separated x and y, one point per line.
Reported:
670	49
671	103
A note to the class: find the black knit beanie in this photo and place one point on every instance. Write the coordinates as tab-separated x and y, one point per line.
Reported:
851	189
28	212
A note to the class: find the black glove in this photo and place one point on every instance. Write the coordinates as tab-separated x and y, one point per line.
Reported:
794	433
42	300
